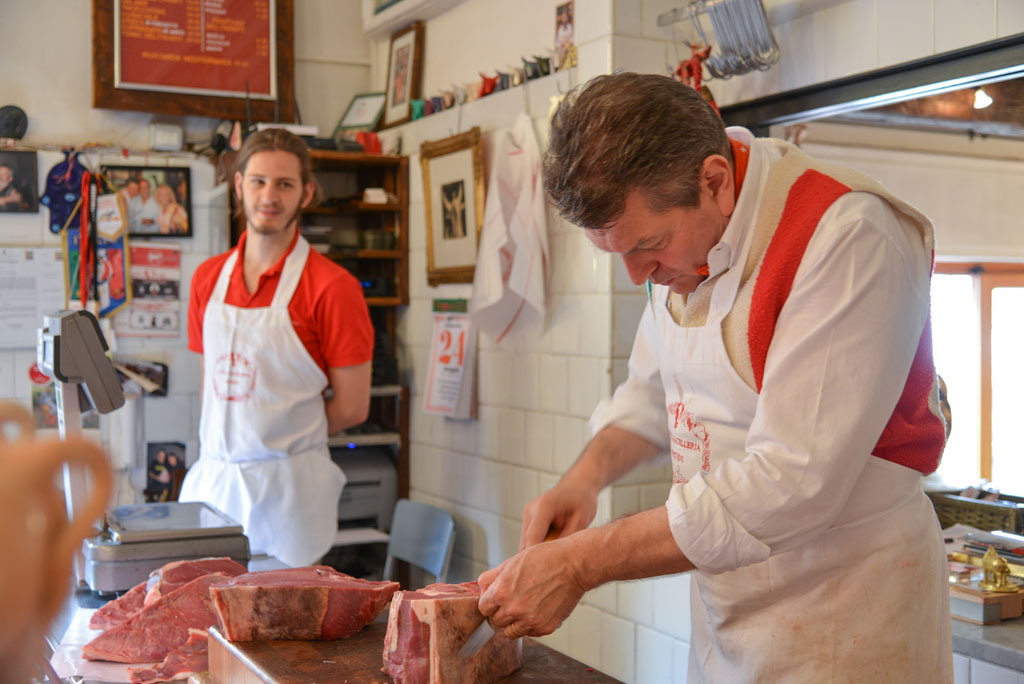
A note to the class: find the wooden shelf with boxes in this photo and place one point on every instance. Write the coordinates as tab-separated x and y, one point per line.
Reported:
370	240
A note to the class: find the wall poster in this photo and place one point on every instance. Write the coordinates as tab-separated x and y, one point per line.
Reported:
155	307
195	57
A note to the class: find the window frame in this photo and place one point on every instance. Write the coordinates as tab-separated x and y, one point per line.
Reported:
987	276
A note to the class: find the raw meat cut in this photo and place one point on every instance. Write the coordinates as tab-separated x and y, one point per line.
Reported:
426	630
179	573
315	602
156	630
191	658
114	612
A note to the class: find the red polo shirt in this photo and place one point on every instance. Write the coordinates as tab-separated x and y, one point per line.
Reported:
328	310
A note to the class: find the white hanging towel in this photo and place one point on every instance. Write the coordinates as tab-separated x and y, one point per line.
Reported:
510	286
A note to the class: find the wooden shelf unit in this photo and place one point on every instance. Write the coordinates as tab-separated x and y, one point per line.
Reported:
344	176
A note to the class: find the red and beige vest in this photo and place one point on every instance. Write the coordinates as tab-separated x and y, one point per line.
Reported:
798	192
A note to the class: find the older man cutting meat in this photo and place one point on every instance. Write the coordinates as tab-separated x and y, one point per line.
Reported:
784	361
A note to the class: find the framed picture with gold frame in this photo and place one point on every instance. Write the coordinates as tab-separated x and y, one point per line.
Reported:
453	195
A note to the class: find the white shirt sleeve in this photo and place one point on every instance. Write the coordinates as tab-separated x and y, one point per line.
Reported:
638	404
837	365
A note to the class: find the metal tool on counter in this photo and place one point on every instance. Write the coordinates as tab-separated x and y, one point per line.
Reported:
140	538
482	634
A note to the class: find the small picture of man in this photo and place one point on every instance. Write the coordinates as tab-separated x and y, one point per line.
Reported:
453	205
18	182
165	470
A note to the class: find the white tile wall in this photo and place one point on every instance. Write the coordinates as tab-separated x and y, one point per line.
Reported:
851	39
959	24
618	647
804	48
594	21
672	606
639	54
540	439
653	656
680	659
636	598
905	31
585	629
1009	18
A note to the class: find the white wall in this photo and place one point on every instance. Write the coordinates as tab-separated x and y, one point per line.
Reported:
47	71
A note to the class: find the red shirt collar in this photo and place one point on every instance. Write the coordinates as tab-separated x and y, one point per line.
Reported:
271	272
740	157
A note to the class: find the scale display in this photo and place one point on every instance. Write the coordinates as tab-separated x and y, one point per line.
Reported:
147	522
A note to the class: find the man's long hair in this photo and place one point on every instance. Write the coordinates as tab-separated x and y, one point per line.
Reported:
629	131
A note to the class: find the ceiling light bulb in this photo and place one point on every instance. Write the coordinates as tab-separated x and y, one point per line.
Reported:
981	99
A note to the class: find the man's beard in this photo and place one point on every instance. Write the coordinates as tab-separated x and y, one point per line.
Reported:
265	230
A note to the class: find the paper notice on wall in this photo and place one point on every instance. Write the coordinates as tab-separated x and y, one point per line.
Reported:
155	309
32	283
451	375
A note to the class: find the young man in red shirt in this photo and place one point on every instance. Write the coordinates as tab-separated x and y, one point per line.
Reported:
277	324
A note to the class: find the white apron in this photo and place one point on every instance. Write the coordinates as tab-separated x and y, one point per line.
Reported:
264	458
812	613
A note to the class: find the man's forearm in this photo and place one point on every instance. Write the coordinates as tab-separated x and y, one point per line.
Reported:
630	548
612	453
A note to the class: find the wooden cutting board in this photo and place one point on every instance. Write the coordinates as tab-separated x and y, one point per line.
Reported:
358	660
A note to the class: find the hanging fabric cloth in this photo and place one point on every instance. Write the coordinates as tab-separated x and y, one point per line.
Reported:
510	286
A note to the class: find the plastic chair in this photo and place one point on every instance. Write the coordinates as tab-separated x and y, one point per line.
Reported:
422	536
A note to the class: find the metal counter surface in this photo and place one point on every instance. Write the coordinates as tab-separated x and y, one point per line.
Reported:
1001	644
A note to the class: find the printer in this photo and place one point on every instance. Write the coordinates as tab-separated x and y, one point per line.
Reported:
371	487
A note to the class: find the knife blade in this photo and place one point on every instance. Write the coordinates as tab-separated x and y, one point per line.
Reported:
480	636
483	633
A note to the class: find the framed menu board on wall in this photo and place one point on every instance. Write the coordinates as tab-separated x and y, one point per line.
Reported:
195	57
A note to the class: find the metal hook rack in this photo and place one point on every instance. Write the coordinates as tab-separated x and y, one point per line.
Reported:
745	40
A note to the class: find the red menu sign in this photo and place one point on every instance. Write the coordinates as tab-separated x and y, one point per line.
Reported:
207	47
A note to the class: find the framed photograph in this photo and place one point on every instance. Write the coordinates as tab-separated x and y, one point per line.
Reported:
453	193
165	470
19	192
157	199
363	114
405	62
564	18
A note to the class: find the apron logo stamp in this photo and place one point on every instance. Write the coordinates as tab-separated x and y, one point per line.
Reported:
694	441
234	377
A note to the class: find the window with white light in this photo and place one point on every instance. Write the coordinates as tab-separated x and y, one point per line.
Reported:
977	333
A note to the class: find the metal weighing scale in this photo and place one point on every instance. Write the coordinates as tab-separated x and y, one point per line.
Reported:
136	539
141	538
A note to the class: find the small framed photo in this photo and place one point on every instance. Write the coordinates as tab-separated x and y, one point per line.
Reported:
165	470
19	192
453	193
564	27
363	114
157	199
405	62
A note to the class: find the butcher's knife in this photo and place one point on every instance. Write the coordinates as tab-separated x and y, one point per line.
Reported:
482	634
